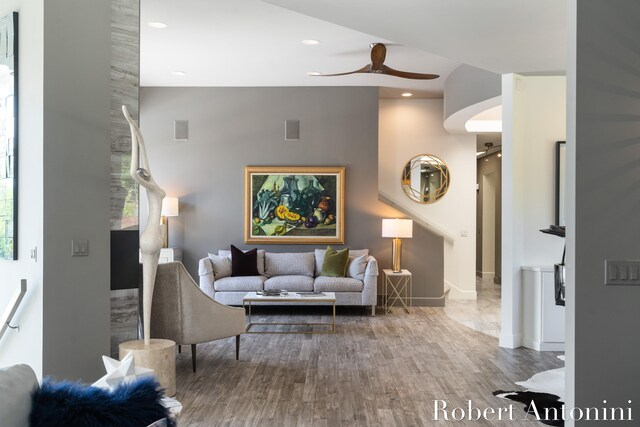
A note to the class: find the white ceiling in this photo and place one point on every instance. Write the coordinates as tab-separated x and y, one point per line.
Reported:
503	36
254	43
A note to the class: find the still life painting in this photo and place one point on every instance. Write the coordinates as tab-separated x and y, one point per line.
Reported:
294	204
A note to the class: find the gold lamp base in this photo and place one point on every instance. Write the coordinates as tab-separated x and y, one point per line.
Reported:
396	254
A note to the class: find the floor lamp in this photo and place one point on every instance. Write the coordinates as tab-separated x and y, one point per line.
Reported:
397	229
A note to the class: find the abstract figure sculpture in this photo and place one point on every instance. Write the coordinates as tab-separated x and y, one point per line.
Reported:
151	237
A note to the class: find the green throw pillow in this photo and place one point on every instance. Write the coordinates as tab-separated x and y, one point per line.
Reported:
335	262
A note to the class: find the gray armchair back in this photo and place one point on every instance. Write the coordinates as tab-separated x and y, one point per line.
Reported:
183	313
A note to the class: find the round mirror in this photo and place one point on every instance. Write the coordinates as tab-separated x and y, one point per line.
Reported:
425	179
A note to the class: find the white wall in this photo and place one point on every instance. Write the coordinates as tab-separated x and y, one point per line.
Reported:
411	127
25	346
534	118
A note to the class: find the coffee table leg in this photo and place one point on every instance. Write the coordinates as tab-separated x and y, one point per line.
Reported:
334	317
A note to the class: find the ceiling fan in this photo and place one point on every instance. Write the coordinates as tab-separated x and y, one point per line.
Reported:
378	54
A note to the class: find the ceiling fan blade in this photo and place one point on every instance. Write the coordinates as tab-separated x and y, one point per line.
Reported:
364	69
378	54
408	75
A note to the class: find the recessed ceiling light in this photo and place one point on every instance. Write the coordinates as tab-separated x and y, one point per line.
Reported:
310	42
179	73
313	73
157	25
407	94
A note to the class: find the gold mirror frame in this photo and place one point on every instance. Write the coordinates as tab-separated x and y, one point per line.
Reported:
442	186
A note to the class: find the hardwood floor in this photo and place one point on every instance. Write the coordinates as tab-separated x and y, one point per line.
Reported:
375	371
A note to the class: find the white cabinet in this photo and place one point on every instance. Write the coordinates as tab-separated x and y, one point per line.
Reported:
168	255
543	325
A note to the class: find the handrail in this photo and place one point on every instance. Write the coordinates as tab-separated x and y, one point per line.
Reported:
11	309
416	218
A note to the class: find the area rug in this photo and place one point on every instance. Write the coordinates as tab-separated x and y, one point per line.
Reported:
544	394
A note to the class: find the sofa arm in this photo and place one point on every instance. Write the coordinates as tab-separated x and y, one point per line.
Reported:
370	290
205	271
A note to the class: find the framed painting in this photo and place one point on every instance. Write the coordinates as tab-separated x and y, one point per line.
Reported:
294	204
9	136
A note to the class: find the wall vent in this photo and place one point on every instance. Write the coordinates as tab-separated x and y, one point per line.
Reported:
292	130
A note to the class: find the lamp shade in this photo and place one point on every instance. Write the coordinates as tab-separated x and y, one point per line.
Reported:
397	228
170	206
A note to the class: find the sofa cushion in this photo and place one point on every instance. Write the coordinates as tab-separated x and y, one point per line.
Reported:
335	262
244	263
288	264
227	253
357	266
242	283
16	385
221	266
293	283
337	284
319	257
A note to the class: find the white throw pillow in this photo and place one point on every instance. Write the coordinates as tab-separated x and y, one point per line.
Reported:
357	266
16	385
221	266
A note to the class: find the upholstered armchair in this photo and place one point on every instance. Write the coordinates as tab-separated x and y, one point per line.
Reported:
181	312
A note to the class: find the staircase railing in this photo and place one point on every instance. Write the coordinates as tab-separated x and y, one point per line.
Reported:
10	311
417	218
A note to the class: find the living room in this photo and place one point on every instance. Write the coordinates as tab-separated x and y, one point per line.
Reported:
372	133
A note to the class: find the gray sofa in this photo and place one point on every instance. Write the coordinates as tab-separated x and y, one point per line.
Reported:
294	272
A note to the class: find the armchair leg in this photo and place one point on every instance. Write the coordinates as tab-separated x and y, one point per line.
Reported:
193	357
237	347
373	310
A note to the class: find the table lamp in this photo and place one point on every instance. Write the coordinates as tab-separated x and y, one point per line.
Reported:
397	229
169	208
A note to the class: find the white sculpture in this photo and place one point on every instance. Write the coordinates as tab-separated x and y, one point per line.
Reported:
151	237
119	371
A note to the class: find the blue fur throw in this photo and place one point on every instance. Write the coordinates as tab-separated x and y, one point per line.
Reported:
135	404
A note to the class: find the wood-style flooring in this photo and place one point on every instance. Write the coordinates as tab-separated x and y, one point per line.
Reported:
375	371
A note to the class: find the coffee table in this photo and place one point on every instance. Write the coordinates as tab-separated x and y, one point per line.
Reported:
292	297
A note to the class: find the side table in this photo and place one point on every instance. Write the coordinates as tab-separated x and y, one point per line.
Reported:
401	285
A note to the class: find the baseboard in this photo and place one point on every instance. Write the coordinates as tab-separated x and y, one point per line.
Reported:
488	274
510	341
447	287
543	346
478	273
457	293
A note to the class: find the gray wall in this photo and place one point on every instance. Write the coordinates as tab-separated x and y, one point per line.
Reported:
231	128
77	52
603	151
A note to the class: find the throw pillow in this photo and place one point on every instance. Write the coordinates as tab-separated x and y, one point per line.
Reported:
244	263
221	266
132	404
357	267
335	262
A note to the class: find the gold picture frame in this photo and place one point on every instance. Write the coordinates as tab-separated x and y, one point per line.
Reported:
294	205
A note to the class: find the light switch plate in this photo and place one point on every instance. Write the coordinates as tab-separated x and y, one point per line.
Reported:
621	272
79	248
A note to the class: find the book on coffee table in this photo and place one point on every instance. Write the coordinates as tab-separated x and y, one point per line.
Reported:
311	294
272	292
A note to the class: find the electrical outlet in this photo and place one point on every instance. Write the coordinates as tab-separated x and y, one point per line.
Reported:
621	272
79	248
